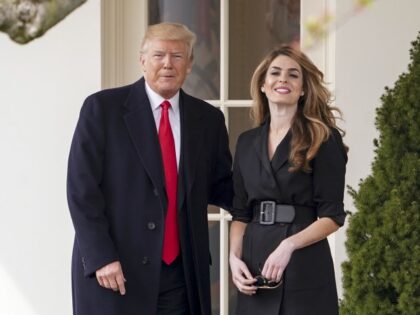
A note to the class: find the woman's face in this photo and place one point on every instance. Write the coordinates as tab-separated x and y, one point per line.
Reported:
283	81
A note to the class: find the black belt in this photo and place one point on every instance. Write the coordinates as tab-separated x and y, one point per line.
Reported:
270	212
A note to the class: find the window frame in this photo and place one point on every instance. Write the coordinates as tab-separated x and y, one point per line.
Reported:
121	33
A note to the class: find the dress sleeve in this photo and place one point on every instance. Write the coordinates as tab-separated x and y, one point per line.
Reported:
240	210
329	169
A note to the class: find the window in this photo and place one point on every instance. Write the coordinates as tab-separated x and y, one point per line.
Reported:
232	37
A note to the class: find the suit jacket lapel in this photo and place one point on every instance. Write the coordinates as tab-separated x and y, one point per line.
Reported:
142	129
261	146
281	156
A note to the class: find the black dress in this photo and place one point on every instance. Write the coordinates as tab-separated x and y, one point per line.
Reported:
308	282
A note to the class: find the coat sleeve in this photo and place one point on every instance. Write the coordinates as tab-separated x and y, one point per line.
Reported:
240	210
329	169
85	197
221	184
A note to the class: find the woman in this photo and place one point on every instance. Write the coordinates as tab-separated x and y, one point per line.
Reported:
289	185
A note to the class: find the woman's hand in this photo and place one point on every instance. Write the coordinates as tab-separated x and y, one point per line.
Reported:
277	262
241	276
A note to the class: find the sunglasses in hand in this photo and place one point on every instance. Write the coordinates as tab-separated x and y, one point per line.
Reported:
264	283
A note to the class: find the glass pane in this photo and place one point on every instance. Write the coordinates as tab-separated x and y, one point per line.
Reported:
203	18
213	209
214	234
254	28
239	121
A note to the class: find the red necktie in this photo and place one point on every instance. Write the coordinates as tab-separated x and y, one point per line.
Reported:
167	146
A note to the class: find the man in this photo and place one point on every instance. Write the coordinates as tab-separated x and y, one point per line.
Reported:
145	161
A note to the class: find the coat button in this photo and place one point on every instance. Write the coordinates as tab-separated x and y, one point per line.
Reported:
155	191
151	226
145	260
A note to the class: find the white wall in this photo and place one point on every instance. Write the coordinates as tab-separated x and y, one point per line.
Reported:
372	50
42	86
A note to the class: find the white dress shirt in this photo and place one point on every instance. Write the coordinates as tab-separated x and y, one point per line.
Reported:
174	116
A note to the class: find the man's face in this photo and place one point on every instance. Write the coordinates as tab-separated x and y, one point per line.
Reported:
165	65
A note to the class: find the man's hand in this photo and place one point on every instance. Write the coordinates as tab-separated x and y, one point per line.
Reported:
111	277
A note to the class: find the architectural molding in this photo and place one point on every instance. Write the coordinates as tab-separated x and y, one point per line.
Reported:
123	24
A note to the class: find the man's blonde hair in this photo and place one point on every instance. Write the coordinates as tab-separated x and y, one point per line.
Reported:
169	31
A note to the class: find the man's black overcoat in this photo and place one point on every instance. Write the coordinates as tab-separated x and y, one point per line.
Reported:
117	198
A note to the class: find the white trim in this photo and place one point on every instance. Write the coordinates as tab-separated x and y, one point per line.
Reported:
317	52
323	55
329	72
224	267
224	50
222	215
230	103
224	90
121	32
111	43
330	48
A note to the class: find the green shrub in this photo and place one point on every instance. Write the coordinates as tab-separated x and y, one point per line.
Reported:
382	274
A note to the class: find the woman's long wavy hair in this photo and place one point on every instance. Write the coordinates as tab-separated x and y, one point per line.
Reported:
314	117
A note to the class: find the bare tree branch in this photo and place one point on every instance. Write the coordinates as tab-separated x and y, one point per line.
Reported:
25	20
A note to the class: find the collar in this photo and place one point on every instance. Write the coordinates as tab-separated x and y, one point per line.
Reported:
155	99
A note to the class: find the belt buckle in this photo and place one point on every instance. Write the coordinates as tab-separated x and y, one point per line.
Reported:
267	212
